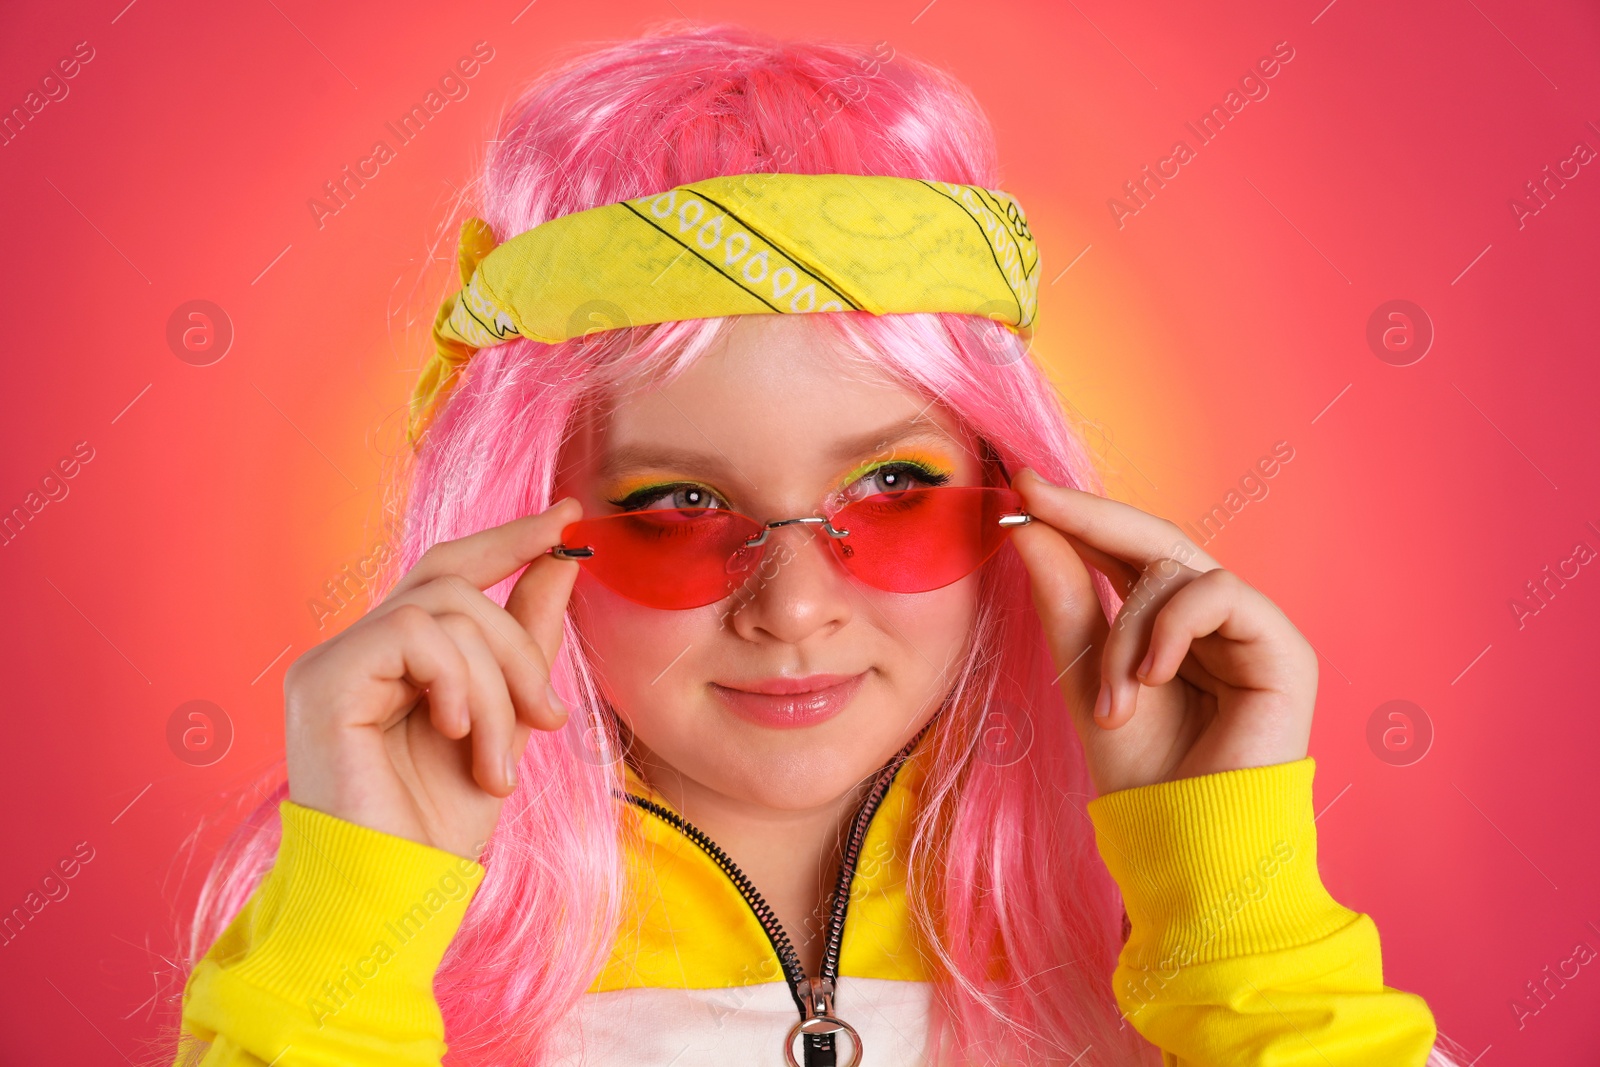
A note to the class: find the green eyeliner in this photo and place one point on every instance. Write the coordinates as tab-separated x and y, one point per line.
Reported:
655	489
862	471
929	473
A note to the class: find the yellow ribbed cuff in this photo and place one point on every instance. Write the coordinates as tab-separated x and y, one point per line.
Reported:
332	959
1217	866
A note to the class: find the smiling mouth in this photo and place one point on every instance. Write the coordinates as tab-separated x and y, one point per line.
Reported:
788	703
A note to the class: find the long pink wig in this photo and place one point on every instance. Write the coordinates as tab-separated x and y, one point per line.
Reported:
1022	920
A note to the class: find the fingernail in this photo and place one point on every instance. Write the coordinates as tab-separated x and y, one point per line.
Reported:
1102	704
511	770
1144	668
556	703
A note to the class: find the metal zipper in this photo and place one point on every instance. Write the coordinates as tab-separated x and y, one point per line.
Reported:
812	996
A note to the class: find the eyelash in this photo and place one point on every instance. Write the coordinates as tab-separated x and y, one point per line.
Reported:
637	500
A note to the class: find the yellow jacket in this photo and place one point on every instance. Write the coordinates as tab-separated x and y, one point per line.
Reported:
1237	954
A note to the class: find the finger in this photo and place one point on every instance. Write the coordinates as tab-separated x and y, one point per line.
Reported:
1119	530
1209	604
1252	645
521	661
1069	608
493	761
1118	697
1122	576
407	646
492	555
538	602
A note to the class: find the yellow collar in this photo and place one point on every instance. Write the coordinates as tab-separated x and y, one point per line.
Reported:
685	924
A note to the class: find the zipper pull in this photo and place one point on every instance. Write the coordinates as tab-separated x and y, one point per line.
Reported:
818	1026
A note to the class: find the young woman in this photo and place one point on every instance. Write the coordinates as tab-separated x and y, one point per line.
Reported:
773	739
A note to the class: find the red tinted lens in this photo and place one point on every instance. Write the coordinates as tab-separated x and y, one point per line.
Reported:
671	558
920	539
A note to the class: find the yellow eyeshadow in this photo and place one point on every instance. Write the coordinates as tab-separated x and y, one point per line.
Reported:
937	462
626	487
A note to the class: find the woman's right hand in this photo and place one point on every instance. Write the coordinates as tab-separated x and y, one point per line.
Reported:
413	720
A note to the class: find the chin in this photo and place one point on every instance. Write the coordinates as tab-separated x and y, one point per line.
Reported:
799	769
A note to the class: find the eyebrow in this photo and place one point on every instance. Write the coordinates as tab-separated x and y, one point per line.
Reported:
631	457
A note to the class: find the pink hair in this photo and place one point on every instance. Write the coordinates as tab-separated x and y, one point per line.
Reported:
1020	916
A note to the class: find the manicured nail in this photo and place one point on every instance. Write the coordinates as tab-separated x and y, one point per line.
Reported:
556	703
511	770
1102	704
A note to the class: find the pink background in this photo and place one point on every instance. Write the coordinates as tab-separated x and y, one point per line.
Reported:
1225	316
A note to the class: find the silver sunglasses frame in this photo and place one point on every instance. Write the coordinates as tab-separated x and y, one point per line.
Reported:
1021	518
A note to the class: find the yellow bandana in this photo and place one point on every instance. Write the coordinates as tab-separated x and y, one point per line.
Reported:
737	245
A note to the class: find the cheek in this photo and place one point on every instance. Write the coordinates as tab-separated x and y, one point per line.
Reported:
653	665
631	646
929	631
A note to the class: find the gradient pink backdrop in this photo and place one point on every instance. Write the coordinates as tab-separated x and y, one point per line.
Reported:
1225	316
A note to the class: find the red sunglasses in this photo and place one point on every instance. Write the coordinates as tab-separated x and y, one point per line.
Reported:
906	541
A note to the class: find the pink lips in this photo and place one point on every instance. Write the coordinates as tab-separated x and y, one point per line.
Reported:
787	703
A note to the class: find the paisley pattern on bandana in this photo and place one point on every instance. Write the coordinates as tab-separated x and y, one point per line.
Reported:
740	244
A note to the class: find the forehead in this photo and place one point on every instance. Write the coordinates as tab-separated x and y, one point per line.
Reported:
775	400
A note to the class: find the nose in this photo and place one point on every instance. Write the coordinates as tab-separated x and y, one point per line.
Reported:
797	590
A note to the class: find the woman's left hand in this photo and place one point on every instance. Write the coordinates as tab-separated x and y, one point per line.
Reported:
1198	673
